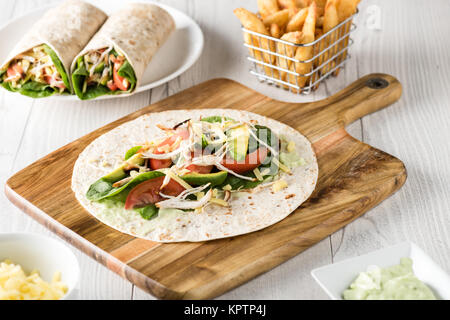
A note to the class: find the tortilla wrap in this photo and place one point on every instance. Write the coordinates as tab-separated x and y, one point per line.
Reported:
248	212
138	31
66	29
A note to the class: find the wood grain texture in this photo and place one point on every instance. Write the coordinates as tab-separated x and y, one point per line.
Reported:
416	129
353	177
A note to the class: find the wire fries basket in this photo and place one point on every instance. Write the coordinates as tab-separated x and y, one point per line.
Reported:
274	60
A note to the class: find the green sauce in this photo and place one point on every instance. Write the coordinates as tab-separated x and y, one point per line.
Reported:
392	283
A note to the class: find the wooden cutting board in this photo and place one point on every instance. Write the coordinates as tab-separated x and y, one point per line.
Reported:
353	177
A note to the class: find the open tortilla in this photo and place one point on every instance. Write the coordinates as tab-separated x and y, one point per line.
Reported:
62	33
135	32
248	211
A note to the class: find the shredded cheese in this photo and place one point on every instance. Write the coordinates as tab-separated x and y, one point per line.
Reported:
279	185
281	166
258	174
179	180
227	188
219	202
15	284
290	146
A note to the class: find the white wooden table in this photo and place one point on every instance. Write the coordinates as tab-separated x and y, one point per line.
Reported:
412	45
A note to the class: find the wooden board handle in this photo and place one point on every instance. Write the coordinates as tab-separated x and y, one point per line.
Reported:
364	96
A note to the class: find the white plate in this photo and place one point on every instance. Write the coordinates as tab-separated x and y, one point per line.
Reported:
335	278
179	52
47	255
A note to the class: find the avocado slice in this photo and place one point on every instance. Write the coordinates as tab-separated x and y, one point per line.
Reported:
199	179
119	173
131	152
238	138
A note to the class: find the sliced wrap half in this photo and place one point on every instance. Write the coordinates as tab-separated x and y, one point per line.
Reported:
39	64
114	61
251	206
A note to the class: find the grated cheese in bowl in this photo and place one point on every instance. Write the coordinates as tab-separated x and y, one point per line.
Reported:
15	284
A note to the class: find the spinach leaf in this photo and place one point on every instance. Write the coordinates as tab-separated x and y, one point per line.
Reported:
99	189
78	77
103	188
126	71
7	86
148	212
36	89
92	92
96	91
32	89
265	134
59	66
238	183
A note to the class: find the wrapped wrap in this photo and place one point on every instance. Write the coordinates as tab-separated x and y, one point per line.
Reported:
65	30
137	31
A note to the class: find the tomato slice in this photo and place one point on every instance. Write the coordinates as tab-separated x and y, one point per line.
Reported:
14	70
119	81
111	86
251	161
48	79
60	85
148	192
199	169
156	164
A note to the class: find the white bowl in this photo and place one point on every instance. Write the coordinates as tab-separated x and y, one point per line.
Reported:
335	278
47	255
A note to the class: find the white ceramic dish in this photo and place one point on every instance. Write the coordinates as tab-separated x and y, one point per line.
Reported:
179	52
38	252
335	278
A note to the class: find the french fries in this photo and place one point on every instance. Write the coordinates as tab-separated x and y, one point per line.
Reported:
345	9
295	37
267	7
275	30
330	20
280	18
299	22
287	4
306	53
251	22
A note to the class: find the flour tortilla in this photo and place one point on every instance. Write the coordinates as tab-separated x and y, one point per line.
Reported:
138	31
66	29
248	211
